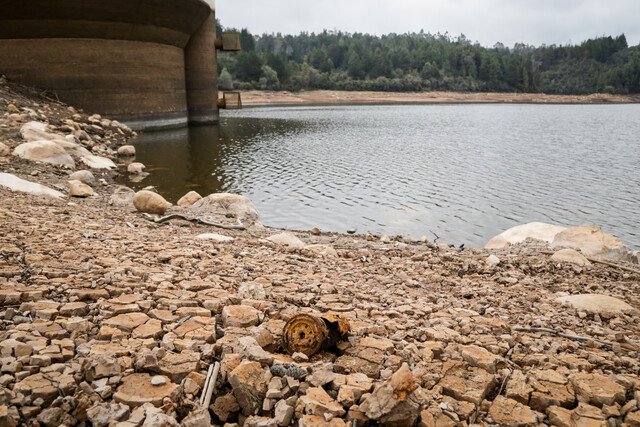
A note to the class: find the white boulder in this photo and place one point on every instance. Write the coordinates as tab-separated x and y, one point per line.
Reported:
596	303
570	256
14	183
590	240
44	152
287	239
534	230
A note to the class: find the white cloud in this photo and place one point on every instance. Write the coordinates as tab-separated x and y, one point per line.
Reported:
487	21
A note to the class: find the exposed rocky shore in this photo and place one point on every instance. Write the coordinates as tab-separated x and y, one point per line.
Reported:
110	317
256	98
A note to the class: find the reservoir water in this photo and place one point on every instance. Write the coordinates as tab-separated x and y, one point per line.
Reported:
462	173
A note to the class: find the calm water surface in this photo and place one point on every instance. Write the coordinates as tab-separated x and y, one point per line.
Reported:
460	172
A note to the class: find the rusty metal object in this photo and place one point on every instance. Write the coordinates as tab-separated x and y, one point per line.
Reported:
309	334
230	101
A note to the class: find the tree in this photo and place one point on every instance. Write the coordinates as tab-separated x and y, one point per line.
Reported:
225	82
248	66
270	77
247	41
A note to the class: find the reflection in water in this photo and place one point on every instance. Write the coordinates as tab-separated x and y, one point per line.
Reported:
462	172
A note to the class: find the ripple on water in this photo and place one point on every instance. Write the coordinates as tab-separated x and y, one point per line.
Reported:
462	172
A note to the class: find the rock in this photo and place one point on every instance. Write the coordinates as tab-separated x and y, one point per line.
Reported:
249	383
189	199
136	390
44	152
391	402
37	131
97	162
20	185
78	189
4	150
590	240
570	256
597	389
83	176
12	109
127	151
136	168
323	250
225	406
215	237
122	197
287	239
492	261
54	417
283	413
197	418
103	414
470	385
596	303
178	365
518	234
221	205
150	202
158	419
249	348
509	413
479	357
317	402
127	322
241	316
252	290
158	380
103	366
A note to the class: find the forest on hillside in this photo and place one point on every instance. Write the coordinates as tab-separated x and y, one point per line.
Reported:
422	61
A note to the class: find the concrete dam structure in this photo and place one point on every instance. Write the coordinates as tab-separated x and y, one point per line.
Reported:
148	63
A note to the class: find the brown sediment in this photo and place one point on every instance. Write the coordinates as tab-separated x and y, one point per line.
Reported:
331	97
98	304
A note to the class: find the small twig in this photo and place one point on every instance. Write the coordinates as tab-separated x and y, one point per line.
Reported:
607	263
160	220
563	335
504	382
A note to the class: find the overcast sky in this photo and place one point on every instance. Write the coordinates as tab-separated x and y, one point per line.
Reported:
486	21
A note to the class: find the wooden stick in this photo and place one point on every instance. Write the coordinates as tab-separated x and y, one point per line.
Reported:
607	263
207	381
161	220
212	385
563	335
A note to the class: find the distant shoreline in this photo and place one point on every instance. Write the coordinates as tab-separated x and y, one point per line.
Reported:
256	98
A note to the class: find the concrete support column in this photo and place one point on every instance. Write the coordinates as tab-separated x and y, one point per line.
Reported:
201	74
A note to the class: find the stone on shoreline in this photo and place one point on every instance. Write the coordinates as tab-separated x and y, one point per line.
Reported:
44	152
188	199
519	233
287	239
83	176
226	205
14	183
570	256
127	151
80	189
590	240
122	197
97	162
136	168
596	303
215	237
149	202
